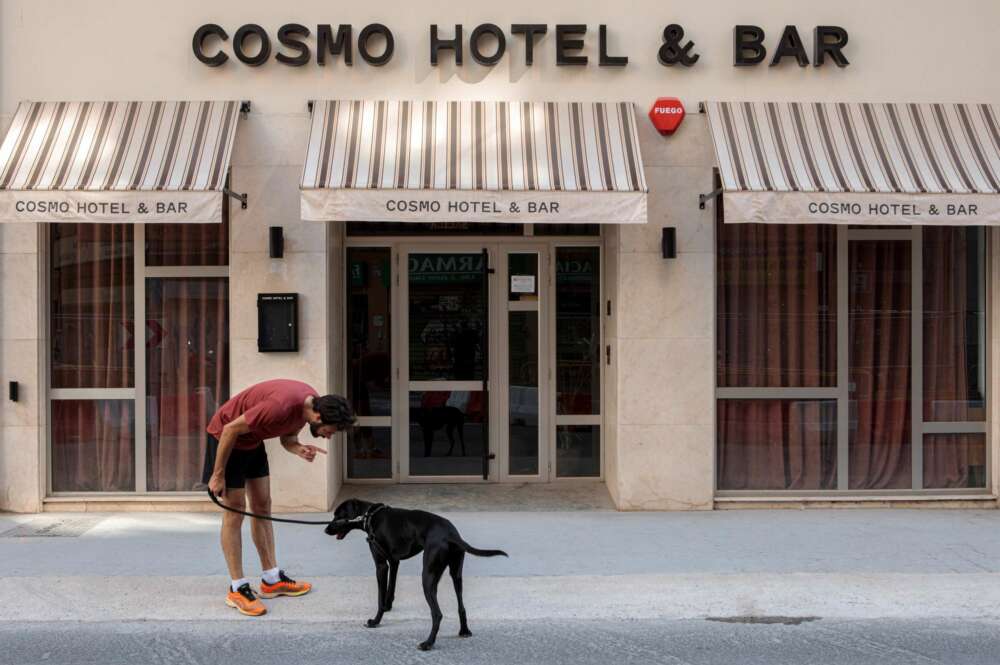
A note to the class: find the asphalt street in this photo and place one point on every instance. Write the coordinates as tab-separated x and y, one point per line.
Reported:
686	642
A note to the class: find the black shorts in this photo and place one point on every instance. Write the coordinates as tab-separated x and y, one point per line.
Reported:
243	465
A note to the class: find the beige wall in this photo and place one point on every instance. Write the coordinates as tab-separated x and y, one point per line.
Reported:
659	391
65	49
267	165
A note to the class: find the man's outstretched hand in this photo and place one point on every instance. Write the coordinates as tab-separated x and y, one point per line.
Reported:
308	452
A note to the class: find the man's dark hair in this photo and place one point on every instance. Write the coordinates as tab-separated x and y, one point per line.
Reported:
334	410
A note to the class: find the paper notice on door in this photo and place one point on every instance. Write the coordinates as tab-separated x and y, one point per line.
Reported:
522	283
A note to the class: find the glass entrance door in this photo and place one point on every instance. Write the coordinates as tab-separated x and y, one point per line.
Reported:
473	362
446	364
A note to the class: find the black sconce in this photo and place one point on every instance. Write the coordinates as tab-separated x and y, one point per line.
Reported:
277	242
669	242
13	387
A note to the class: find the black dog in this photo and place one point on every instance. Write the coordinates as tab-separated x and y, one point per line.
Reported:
395	535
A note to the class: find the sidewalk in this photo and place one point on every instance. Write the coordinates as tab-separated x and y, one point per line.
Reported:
567	565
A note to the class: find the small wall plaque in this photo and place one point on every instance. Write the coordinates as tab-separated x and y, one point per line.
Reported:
277	322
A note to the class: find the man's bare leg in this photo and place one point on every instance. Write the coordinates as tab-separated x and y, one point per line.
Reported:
232	538
259	492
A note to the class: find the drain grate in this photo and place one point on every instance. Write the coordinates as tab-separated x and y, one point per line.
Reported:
69	527
764	620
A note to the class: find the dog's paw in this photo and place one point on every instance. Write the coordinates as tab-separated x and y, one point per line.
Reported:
465	633
425	646
371	623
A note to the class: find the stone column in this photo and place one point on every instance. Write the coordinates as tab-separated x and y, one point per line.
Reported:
664	367
267	163
21	345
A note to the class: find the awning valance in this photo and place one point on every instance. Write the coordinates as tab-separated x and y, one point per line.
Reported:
403	161
839	163
116	161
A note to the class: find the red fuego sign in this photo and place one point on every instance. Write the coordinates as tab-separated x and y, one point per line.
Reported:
667	114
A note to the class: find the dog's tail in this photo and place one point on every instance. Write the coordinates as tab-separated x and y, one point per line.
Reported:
478	552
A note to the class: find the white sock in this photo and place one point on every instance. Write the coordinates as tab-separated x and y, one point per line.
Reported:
236	584
271	576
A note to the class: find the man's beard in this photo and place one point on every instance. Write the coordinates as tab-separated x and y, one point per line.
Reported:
314	429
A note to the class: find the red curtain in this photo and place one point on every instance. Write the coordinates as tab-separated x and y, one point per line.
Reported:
92	333
777	306
954	323
92	446
776	328
880	325
187	376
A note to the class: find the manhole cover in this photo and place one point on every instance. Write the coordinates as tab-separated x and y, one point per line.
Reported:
765	620
69	527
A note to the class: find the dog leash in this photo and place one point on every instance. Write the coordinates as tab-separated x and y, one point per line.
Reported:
216	501
364	519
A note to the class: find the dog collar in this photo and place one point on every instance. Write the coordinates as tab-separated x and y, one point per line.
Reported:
366	519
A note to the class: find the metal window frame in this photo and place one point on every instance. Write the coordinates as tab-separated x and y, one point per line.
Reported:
919	427
138	392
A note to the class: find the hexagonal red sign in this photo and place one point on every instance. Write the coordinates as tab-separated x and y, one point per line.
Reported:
667	113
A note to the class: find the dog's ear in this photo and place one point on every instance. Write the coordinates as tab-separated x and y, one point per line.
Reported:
348	509
343	510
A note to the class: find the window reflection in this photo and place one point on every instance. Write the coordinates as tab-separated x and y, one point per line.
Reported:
447	308
370	338
578	338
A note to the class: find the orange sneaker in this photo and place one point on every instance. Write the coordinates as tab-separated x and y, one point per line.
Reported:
244	600
285	586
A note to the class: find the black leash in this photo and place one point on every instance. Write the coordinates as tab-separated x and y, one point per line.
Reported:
216	501
365	520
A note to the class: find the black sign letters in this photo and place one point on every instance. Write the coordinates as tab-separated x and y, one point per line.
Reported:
487	43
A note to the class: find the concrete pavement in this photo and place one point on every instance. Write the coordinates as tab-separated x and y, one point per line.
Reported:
583	571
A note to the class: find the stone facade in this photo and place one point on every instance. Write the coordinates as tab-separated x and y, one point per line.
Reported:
659	408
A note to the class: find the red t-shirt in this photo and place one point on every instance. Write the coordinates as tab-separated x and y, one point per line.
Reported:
271	408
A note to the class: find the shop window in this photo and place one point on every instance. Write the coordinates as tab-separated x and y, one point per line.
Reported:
955	461
93	446
100	441
880	376
777	444
369	452
777	311
578	451
187	376
523	343
369	361
954	324
779	391
188	244
92	312
578	362
369	385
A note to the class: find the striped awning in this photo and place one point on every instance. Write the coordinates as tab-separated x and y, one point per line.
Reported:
858	163
116	161
402	161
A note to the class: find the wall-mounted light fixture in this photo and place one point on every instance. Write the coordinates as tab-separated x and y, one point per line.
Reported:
276	242
668	243
13	394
